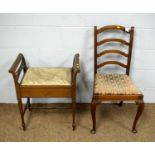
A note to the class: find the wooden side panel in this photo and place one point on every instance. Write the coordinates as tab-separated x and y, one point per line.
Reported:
45	91
118	97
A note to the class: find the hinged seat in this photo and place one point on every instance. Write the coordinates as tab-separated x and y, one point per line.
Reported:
47	76
38	82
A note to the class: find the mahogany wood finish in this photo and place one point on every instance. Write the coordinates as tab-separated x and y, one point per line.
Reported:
112	51
97	99
111	62
112	39
42	91
112	27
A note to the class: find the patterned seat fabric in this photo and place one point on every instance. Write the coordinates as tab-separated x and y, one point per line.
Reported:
115	84
47	76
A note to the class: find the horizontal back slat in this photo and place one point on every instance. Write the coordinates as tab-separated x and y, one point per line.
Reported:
112	40
112	52
111	63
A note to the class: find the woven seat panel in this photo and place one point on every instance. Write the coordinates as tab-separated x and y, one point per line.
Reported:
115	84
47	76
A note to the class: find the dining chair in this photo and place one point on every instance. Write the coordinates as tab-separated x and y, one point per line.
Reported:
114	86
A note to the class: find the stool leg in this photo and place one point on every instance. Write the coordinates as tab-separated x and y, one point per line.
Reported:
120	104
140	109
29	104
93	113
21	113
73	113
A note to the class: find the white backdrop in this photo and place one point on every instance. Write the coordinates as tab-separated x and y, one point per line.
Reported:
53	39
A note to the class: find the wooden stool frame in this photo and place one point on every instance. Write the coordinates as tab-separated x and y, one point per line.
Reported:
97	99
43	91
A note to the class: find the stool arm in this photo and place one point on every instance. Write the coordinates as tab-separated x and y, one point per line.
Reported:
75	68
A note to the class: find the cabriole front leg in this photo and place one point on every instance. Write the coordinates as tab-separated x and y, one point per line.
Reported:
140	109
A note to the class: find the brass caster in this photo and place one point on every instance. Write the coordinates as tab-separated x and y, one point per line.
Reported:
92	131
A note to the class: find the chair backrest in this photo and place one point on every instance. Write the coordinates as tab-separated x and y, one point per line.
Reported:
129	44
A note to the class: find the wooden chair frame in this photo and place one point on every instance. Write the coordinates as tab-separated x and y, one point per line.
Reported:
42	91
96	100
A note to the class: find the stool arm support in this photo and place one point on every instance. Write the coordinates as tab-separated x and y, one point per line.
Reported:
75	68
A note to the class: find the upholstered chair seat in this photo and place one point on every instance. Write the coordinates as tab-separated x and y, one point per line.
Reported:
115	84
109	43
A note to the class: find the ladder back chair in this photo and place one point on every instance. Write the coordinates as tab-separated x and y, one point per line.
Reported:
114	87
59	82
